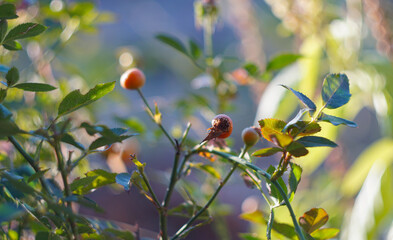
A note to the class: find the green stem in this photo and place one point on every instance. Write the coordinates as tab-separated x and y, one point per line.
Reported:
293	216
31	161
173	179
153	195
67	191
270	224
212	198
151	114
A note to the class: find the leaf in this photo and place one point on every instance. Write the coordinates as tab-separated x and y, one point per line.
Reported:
87	202
265	152
75	100
9	128
294	179
12	76
297	149
249	236
8	11
271	130
24	30
35	87
297	118
207	169
137	179
306	128
133	123
37	175
81	182
325	233
3	27
9	211
68	138
335	90
188	210
124	179
173	42
252	69
256	217
103	141
273	191
12	45
281	61
304	99
313	219
102	178
195	50
336	120
3	94
315	141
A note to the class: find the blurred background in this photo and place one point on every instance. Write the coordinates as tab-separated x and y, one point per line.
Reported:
91	42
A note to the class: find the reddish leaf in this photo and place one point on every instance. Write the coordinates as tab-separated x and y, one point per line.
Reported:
313	219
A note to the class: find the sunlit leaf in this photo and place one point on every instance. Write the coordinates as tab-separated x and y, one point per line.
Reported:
75	100
281	61
12	45
297	118
313	219
336	120
306	128
265	152
325	233
335	90
294	179
273	191
256	217
207	169
101	178
272	131
35	87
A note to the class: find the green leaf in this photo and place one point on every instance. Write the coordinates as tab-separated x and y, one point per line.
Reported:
297	149
315	141
256	217
8	11
249	236
294	179
273	191
37	175
87	202
102	178
173	42
306	128
103	141
9	128
24	30
207	169
133	123
252	69
266	152
124	179
335	90
313	219
9	211
75	100
137	179
81	182
281	61
336	120
297	118
195	50
304	99
12	76
3	94
325	233
35	87
68	138
3	28
47	236
187	210
12	45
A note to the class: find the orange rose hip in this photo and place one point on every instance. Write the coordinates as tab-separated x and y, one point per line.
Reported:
132	79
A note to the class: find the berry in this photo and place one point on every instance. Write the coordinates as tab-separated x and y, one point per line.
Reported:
221	127
251	136
132	79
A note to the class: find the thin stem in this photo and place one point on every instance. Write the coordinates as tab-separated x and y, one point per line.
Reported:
212	198
207	38
67	191
153	195
293	216
151	114
173	179
31	161
270	224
